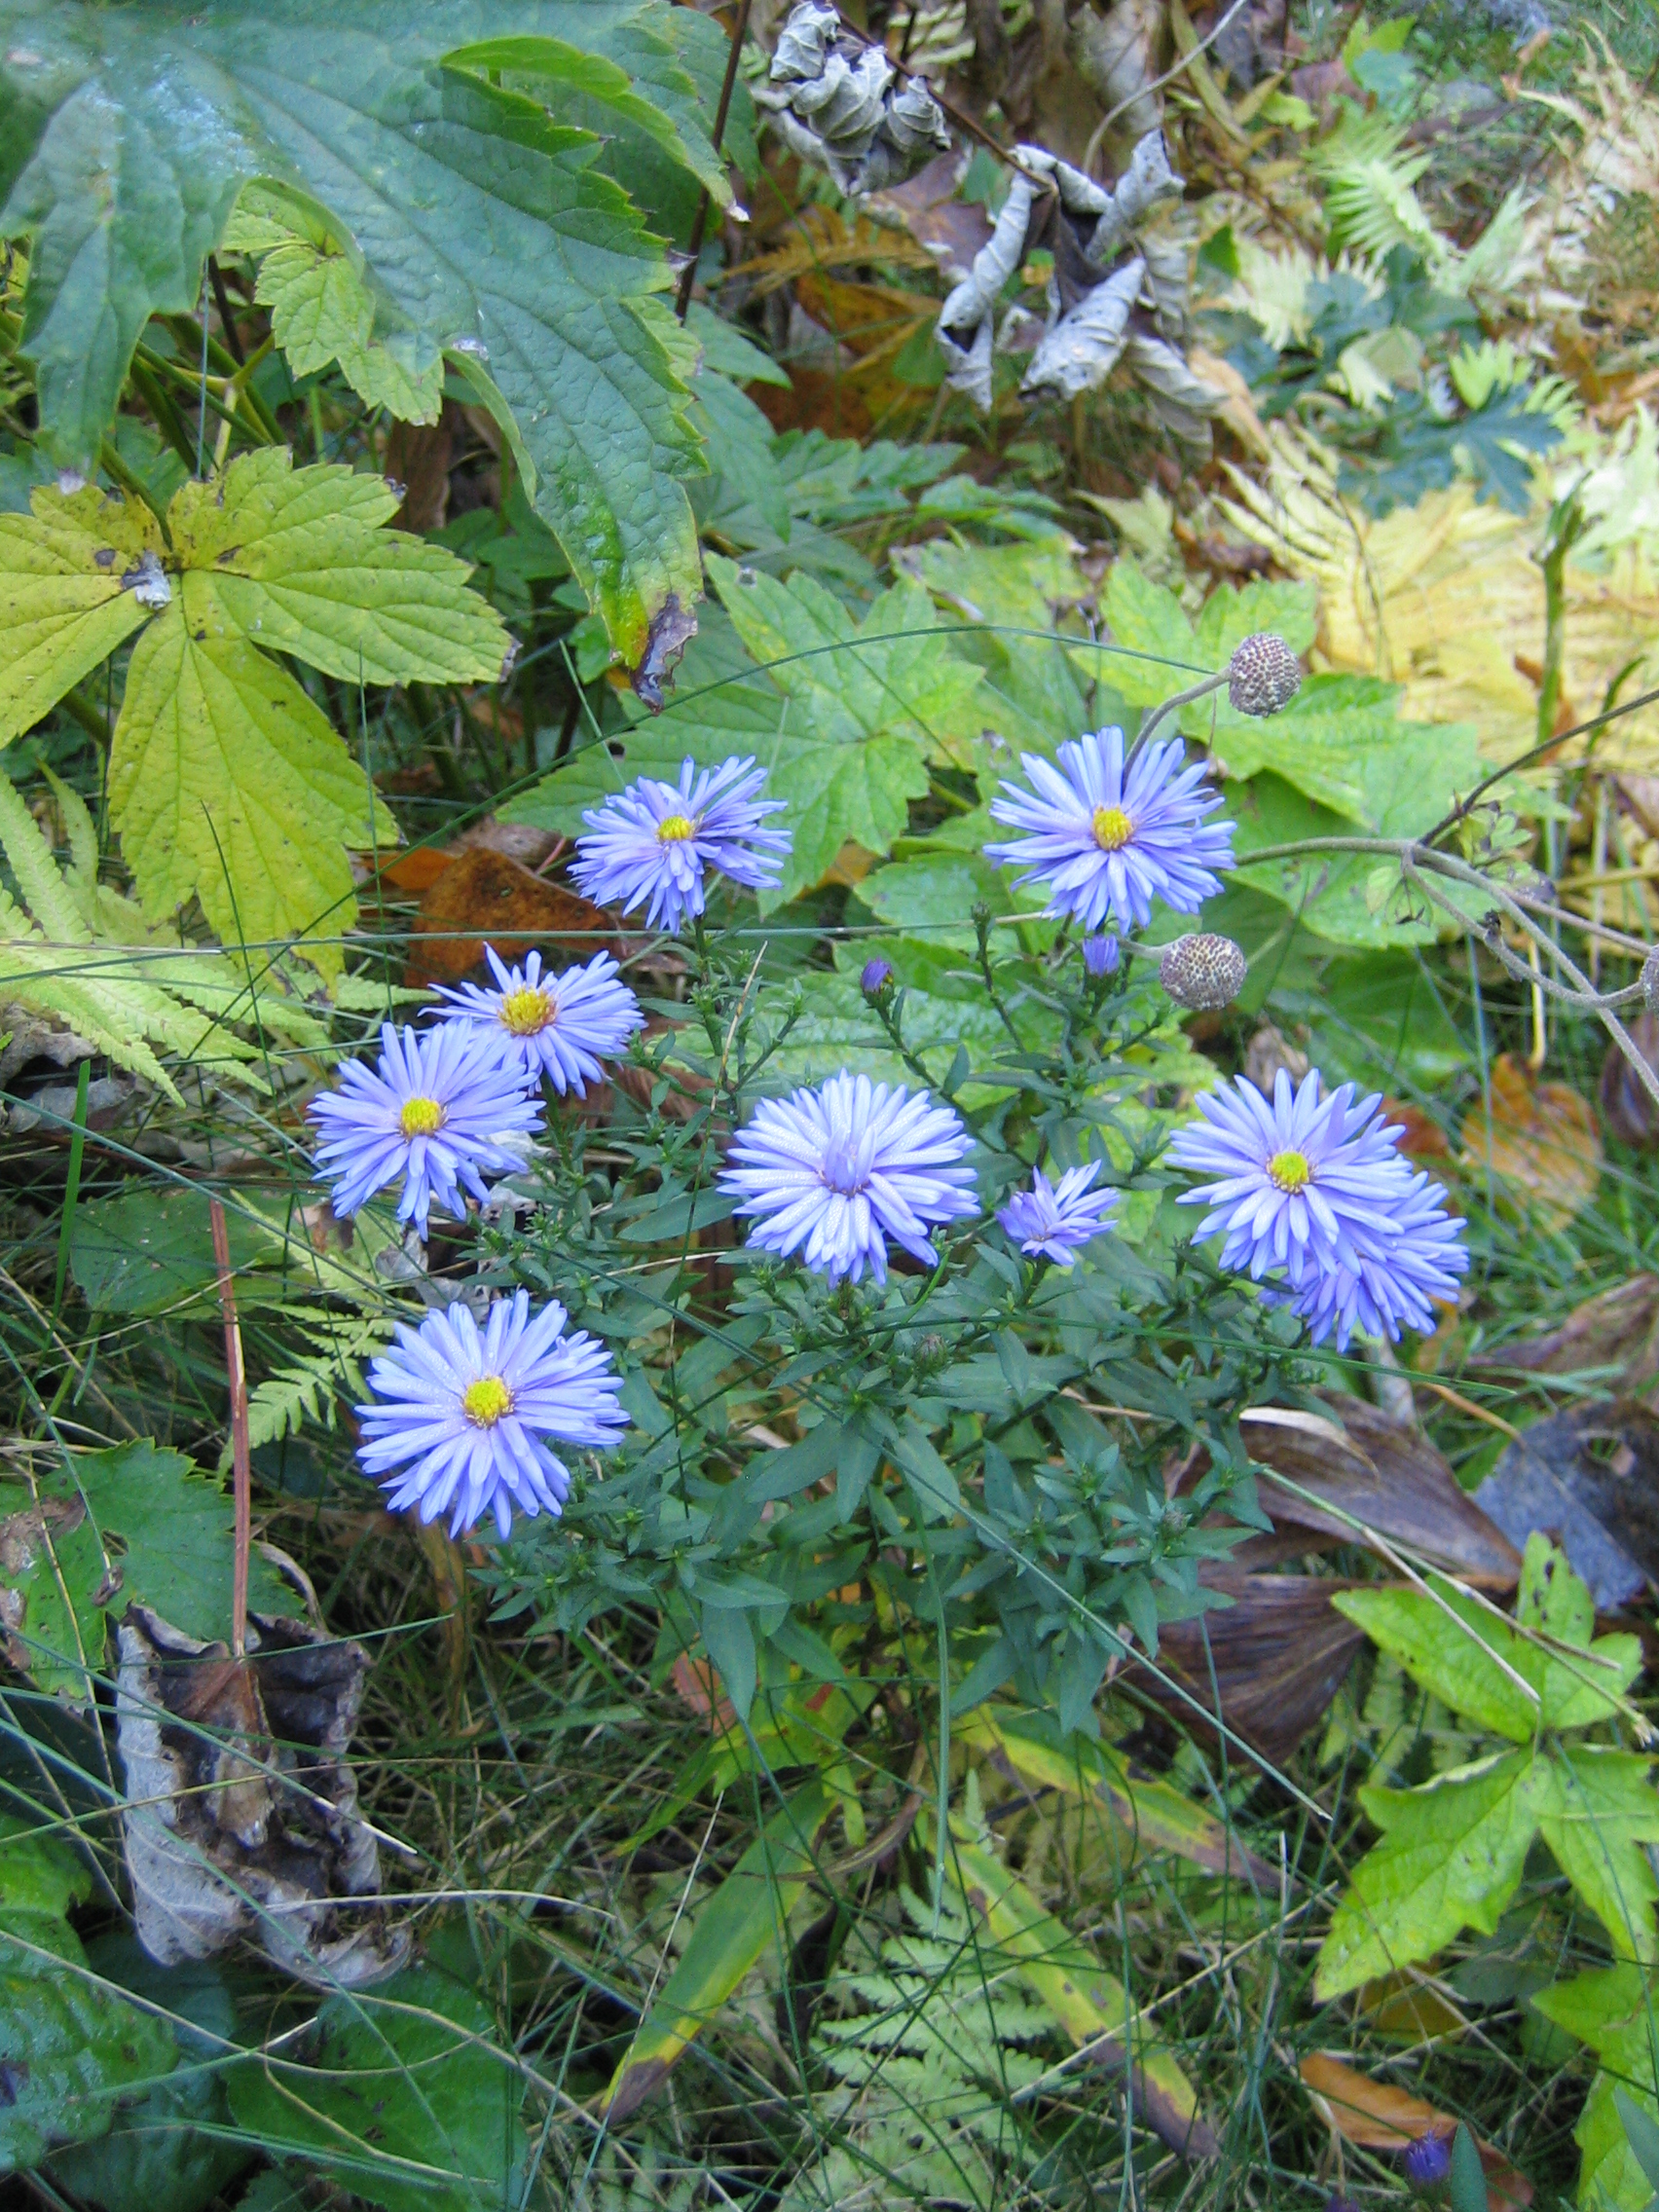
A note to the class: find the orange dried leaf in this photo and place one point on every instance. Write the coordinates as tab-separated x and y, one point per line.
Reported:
1378	2116
1543	1141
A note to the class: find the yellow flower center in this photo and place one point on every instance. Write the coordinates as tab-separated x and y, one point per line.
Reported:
527	1012
420	1118
486	1401
1112	829
675	829
1290	1171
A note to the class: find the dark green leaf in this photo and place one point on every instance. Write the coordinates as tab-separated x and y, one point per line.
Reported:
403	2097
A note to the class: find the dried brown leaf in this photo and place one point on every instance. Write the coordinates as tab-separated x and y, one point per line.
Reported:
1542	1140
1379	2117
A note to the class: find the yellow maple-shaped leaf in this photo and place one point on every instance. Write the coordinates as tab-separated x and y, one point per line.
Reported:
228	785
300	561
76	576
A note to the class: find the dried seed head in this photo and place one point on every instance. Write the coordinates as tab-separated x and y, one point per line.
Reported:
1202	972
1650	983
1263	675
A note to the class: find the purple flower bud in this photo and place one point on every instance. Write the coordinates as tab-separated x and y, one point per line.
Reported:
1100	955
877	974
1341	2204
1428	2161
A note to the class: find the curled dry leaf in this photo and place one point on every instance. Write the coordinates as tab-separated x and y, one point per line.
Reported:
1587	1478
1617	1329
1277	1656
1383	1473
1379	2117
1543	1141
241	1807
484	895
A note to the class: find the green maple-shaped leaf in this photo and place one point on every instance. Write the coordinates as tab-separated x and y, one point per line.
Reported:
1452	1852
483	221
226	781
842	715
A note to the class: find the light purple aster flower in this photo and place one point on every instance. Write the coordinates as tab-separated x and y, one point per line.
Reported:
835	1172
1104	842
438	1109
459	1413
651	844
1306	1181
1385	1289
1101	955
1054	1221
556	1026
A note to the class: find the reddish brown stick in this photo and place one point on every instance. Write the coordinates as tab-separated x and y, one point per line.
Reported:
237	1375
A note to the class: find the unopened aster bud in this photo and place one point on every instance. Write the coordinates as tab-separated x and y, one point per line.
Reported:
1650	983
1263	675
1100	955
1428	2161
1202	972
877	974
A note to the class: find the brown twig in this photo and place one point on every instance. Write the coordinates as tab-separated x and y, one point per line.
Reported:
237	1374
695	244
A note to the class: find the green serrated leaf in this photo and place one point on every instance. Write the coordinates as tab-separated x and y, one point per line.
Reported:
1605	1814
67	575
481	222
1450	1857
54	1570
403	2096
68	2046
321	311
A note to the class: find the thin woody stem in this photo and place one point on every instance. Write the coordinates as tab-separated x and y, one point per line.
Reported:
237	1375
700	222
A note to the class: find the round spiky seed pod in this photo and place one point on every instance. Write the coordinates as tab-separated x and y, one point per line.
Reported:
1650	983
1263	675
1202	972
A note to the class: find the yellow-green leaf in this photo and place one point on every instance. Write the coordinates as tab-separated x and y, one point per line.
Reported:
732	1930
70	571
1156	1816
298	562
1605	1811
1449	1857
1090	2005
1612	2011
228	785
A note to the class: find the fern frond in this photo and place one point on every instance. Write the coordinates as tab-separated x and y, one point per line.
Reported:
311	1388
1371	203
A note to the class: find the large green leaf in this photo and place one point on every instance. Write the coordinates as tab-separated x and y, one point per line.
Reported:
401	2096
734	1927
483	223
68	2045
1604	1818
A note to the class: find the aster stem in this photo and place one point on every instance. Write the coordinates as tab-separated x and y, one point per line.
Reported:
1170	706
240	1453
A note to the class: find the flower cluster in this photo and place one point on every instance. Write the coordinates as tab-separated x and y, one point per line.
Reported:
460	1415
1312	1191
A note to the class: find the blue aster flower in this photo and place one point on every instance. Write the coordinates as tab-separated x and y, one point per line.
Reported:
1306	1181
651	844
1107	843
459	1413
835	1172
1101	955
1054	1221
438	1111
1390	1286
556	1026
